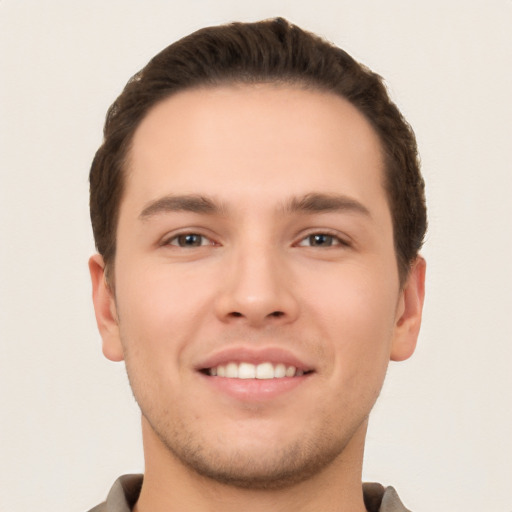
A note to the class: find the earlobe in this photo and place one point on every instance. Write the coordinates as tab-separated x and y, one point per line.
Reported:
409	311
105	310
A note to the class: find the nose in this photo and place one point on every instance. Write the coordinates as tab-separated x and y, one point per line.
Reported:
258	289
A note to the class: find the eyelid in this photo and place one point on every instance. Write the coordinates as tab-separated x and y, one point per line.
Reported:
170	237
342	240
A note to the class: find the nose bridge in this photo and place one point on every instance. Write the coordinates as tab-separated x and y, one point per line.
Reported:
258	287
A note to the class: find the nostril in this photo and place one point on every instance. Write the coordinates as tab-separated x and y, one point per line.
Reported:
276	314
236	314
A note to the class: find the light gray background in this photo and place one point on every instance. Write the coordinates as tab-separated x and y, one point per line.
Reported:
441	432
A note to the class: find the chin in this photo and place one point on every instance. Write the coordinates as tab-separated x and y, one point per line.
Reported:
257	465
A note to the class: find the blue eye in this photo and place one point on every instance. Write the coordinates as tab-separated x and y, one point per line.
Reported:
320	240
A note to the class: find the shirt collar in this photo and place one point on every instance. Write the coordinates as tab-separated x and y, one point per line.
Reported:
126	490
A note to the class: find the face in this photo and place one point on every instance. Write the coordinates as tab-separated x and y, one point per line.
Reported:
257	300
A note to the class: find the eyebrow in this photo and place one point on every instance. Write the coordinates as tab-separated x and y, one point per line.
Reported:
309	203
186	203
324	203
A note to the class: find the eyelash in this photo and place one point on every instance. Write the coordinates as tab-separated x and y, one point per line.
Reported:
335	240
184	236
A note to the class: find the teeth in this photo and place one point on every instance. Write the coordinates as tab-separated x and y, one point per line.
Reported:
290	371
252	371
265	371
232	370
279	370
246	371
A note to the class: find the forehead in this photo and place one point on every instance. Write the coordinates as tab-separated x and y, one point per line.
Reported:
241	141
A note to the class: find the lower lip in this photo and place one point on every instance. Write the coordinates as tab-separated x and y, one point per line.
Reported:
256	390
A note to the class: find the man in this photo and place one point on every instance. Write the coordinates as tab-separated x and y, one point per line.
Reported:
258	210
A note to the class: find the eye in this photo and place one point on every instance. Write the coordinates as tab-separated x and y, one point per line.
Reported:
189	240
321	240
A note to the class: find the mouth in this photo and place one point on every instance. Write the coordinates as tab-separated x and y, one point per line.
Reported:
262	371
254	375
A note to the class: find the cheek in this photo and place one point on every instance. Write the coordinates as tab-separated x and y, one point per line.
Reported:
154	327
355	309
157	297
157	313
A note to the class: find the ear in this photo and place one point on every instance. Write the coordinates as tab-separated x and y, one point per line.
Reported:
409	310
105	310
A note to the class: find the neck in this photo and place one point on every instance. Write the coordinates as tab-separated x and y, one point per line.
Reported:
171	486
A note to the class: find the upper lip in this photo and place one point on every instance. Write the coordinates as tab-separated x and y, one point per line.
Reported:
274	355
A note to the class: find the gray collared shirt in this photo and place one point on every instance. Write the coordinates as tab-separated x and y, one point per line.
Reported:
126	489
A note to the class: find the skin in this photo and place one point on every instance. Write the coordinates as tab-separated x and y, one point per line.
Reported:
272	166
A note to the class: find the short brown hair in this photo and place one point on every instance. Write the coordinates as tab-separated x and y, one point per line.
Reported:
266	51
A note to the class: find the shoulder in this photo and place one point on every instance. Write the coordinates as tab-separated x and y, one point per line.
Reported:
99	508
378	498
122	496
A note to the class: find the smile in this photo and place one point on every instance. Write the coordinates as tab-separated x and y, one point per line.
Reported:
243	370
